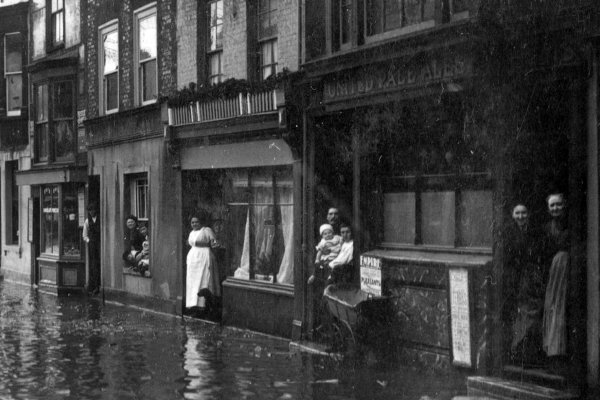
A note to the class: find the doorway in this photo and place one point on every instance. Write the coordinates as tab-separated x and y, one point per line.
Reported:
93	258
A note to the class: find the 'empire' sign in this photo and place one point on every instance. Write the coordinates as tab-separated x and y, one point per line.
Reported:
394	76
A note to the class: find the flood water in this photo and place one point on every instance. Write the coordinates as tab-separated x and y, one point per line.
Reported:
77	348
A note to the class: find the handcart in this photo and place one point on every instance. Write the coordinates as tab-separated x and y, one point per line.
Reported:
359	320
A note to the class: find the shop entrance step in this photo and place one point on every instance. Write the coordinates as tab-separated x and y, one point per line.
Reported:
505	389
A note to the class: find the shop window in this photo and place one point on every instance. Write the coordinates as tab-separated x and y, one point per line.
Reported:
12	202
215	41
145	55
61	225
13	73
432	174
57	22
54	128
252	215
109	68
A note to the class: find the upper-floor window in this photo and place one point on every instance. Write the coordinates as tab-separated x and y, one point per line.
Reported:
387	15
145	55
109	67
139	198
215	41
267	37
342	22
13	73
57	21
54	138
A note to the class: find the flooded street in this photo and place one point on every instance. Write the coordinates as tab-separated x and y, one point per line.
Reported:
77	348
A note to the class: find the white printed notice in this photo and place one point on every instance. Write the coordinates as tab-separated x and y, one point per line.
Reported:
370	275
459	316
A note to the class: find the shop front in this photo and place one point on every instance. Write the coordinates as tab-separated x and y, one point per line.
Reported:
56	212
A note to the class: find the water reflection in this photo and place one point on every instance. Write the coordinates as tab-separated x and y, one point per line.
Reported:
74	348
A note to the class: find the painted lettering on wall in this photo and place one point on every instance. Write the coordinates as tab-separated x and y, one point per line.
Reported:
370	275
395	76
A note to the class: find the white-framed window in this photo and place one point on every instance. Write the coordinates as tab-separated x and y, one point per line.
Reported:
215	41
109	68
57	18
139	198
268	58
13	73
145	51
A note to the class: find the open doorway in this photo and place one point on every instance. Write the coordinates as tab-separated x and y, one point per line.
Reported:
92	236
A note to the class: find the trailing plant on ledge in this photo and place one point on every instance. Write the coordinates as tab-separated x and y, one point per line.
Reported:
229	88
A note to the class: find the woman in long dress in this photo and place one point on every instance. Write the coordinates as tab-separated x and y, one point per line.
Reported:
202	278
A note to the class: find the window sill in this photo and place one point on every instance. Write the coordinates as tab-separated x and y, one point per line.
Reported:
259	286
449	257
126	271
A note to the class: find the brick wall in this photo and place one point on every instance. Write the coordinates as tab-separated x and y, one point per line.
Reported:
288	34
98	12
234	40
187	45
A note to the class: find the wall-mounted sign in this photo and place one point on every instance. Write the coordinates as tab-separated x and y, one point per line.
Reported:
396	75
460	316
80	117
370	275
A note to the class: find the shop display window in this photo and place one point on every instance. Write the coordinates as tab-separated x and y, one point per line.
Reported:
430	172
251	212
61	223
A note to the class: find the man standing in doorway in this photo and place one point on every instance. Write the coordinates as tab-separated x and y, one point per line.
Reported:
91	235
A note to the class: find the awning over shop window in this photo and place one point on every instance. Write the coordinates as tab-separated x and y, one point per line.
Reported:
54	175
237	155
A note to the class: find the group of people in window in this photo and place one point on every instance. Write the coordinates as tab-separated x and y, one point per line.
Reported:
536	282
136	244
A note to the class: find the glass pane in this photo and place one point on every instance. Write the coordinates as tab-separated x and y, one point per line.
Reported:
346	20
111	91
71	232
148	76
393	14
50	219
63	99
14	92
41	105
216	25
399	218
13	51
215	68
476	218
57	5
64	138
41	141
437	218
111	52
147	32
412	11
141	198
374	17
58	21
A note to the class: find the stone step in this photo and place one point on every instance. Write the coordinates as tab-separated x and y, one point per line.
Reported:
539	376
504	389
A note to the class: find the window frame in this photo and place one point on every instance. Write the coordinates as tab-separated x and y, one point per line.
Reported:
50	121
391	33
147	11
136	182
13	113
103	31
272	45
56	13
216	52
